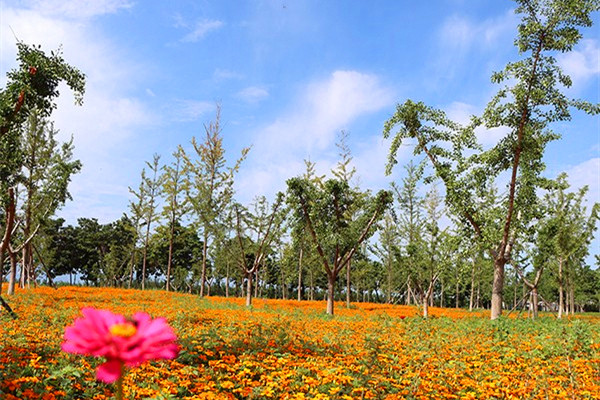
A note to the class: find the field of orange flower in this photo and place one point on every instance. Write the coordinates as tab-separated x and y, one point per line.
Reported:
292	350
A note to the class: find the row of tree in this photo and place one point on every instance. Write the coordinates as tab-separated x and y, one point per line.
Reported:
185	231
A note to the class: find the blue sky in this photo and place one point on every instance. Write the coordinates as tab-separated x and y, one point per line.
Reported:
289	76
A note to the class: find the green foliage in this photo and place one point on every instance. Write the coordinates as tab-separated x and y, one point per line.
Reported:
37	77
530	101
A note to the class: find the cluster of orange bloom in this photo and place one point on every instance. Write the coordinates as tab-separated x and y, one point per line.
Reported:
292	350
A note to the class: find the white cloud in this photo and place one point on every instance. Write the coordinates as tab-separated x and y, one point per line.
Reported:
309	128
224	74
200	29
253	94
462	112
78	9
459	35
583	63
109	119
586	173
189	110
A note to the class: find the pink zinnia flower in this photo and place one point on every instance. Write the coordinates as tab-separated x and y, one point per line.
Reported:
120	340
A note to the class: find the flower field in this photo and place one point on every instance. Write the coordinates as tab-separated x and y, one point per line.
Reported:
292	350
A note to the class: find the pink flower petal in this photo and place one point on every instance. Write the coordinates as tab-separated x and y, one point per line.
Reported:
109	372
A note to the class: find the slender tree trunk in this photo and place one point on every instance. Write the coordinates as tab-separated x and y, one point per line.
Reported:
256	282
132	266
515	295
145	255
348	284
472	295
249	289
408	292
13	273
457	300
204	255
330	293
8	227
312	285
534	302
300	275
389	282
572	293
170	259
227	279
561	302
478	294
284	291
497	288
1	269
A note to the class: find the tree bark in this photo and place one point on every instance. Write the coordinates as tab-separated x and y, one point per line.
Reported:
472	295
348	284
249	289
497	287
145	254
204	254
330	293
312	285
227	279
561	301
13	273
300	275
389	282
170	259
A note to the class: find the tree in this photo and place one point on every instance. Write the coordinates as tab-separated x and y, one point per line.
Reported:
344	172
173	186
32	85
411	223
46	173
209	184
564	234
527	108
147	196
387	250
185	251
263	224
328	212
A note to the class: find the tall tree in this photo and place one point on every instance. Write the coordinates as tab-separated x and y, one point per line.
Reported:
330	211
565	233
411	223
345	172
47	171
531	100
175	207
32	85
209	184
263	224
387	250
148	196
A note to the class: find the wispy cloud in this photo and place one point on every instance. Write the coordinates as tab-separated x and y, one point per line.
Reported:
253	94
582	63
198	29
308	129
587	174
224	74
458	36
188	110
78	9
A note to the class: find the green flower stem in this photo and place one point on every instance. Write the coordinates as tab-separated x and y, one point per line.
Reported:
120	384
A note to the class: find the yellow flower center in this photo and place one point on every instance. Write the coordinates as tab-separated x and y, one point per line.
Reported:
123	330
